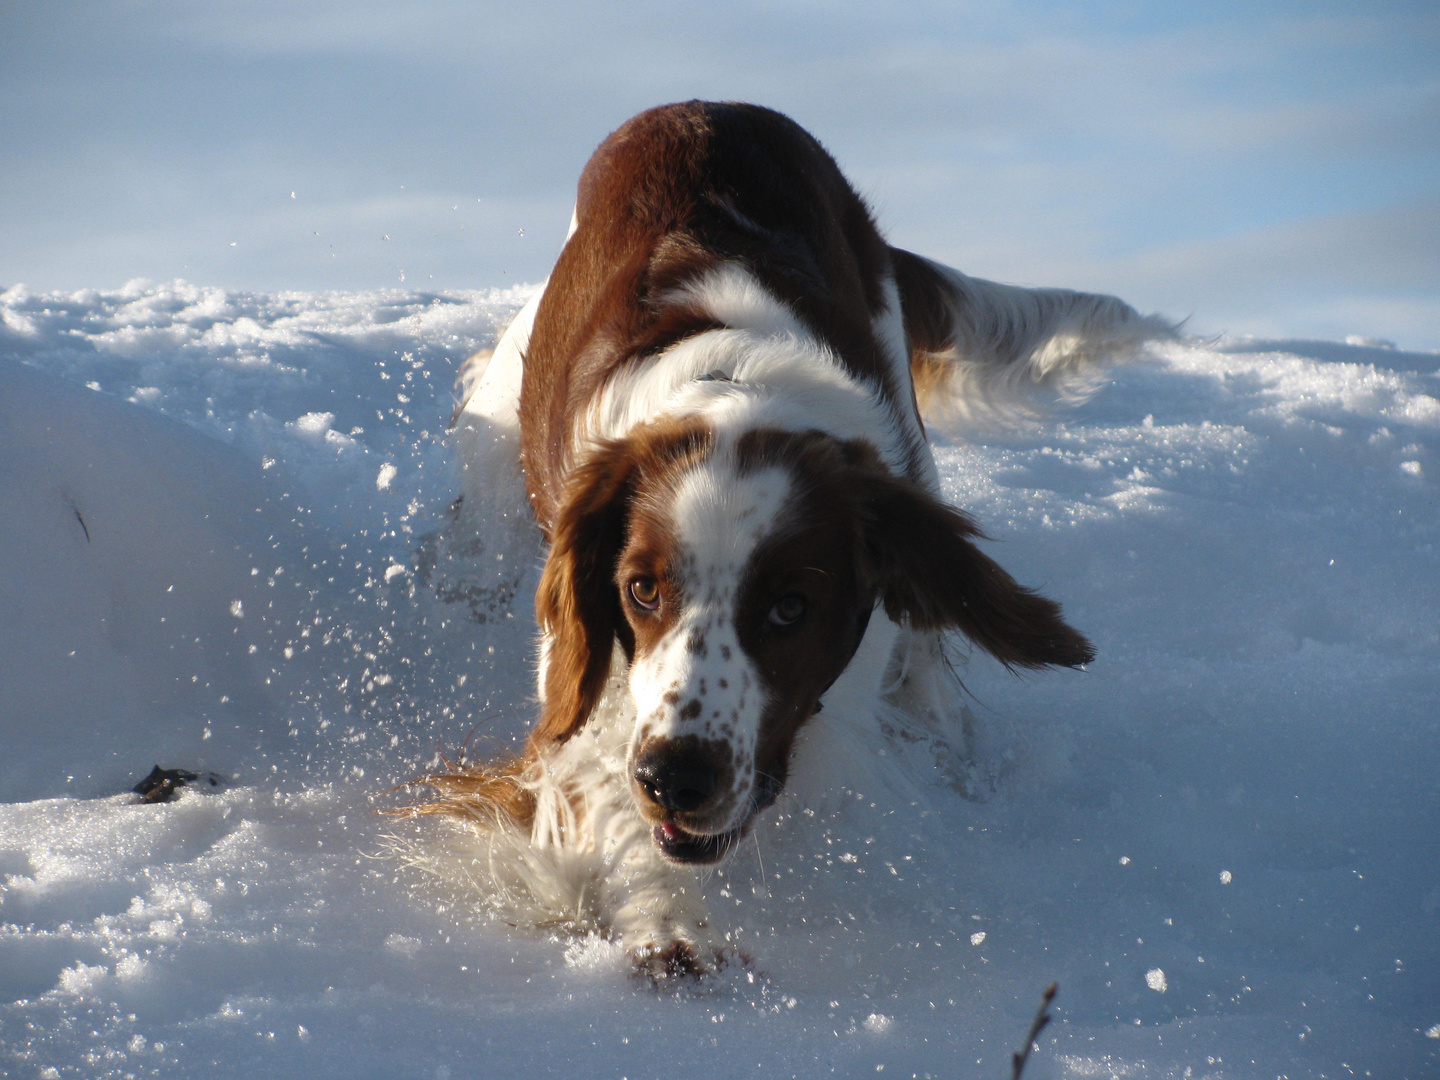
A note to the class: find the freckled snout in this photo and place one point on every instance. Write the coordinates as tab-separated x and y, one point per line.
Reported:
685	788
679	776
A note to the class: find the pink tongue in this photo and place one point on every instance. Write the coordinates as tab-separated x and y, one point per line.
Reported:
672	832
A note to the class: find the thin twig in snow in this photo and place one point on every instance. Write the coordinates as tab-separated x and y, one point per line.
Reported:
1042	1017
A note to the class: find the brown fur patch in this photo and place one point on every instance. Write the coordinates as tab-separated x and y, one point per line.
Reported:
927	302
917	553
933	577
578	603
487	794
673	193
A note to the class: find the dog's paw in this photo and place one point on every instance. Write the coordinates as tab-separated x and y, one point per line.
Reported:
684	961
674	960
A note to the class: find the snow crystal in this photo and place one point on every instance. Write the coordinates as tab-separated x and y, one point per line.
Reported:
314	425
82	979
405	946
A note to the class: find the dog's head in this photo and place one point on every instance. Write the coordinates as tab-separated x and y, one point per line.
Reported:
738	575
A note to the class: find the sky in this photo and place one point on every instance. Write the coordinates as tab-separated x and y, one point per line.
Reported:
1270	169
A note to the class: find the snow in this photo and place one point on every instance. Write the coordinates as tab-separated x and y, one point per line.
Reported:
1222	840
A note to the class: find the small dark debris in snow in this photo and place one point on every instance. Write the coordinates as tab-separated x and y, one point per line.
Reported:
161	784
1042	1017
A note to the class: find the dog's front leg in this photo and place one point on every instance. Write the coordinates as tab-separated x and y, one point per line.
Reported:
658	915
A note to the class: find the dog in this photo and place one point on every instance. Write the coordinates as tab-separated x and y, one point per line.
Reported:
715	408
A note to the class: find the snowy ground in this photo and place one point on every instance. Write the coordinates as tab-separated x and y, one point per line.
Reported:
1223	840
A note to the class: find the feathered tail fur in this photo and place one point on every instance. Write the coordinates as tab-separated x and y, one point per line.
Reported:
980	349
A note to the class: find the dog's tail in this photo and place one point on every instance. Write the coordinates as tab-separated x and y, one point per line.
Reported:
980	349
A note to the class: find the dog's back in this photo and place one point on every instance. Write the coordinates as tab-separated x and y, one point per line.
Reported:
677	194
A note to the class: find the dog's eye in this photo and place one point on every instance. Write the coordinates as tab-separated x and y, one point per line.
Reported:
788	610
645	591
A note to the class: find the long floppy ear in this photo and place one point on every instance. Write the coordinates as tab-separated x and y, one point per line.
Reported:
577	605
933	577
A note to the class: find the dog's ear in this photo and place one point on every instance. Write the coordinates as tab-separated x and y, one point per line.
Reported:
577	604
932	576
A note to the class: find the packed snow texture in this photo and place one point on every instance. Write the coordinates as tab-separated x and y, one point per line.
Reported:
222	524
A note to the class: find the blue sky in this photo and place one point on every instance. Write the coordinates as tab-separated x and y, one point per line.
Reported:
1260	168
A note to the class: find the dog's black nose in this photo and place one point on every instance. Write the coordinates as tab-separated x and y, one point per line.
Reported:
675	780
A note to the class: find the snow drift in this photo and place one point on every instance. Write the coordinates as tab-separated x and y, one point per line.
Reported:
220	518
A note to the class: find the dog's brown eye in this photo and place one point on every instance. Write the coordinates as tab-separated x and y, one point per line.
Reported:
788	610
645	591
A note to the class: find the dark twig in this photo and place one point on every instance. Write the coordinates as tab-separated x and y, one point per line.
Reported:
1042	1017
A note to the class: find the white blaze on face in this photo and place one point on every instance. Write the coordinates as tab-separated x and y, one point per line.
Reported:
697	681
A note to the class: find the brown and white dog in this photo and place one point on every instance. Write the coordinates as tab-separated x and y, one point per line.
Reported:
716	402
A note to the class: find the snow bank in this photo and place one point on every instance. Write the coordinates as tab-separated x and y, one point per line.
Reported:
1222	839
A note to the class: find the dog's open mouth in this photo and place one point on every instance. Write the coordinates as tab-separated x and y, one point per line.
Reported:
680	845
686	847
